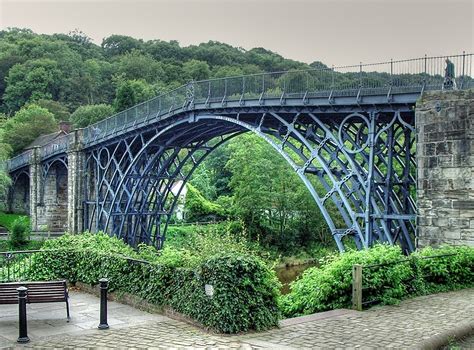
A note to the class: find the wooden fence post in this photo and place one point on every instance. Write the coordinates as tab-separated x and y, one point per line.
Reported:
357	287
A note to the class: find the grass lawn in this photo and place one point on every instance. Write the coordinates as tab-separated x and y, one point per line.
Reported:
6	220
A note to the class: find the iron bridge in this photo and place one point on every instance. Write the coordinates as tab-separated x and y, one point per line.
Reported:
348	133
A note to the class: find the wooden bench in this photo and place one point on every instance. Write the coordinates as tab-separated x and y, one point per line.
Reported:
38	292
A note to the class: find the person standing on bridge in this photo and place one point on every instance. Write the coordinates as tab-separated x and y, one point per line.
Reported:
449	81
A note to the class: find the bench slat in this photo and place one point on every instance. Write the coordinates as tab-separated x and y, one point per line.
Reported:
38	292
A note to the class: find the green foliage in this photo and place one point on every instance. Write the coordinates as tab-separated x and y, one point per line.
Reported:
274	204
60	112
5	245
5	181
245	289
20	232
329	286
6	220
135	66
120	44
30	81
72	70
196	70
198	208
454	268
90	114
188	245
26	125
131	92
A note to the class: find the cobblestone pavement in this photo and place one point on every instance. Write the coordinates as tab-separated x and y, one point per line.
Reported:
404	326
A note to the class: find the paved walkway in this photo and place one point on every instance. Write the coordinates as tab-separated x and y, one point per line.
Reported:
404	326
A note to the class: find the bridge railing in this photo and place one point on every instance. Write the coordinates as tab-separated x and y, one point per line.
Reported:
412	75
59	145
19	161
403	76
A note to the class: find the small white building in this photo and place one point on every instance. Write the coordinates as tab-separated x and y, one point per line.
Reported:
179	211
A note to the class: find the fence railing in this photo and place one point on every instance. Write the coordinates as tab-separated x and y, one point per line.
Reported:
361	285
18	161
15	266
57	146
390	77
413	75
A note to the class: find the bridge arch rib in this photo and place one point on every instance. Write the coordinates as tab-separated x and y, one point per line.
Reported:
134	184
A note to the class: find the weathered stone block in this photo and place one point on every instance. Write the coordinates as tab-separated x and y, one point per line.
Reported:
467	234
463	204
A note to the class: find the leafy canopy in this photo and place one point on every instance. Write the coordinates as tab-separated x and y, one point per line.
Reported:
26	125
90	114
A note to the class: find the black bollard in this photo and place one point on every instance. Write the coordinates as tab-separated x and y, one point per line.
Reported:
23	337
104	284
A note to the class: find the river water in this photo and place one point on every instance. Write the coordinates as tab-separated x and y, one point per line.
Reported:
287	274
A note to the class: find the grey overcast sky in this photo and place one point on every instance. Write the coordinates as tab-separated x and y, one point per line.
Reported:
333	31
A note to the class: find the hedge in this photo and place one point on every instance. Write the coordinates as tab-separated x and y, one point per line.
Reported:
245	289
330	285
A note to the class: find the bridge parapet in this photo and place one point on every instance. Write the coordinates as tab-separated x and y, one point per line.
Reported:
386	79
59	145
19	161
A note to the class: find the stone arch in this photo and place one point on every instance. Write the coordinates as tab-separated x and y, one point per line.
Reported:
19	194
52	211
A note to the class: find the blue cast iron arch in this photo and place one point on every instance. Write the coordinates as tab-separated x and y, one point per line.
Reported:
135	177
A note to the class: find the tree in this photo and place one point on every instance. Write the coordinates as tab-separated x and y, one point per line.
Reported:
135	65
132	92
59	111
97	81
5	151
227	71
196	70
26	125
269	197
116	45
30	81
90	114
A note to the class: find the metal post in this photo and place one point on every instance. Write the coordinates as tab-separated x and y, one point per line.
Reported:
463	66
369	220
426	62
391	71
104	284
357	287
23	336
332	78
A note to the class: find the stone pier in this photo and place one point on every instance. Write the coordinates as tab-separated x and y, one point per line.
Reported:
445	167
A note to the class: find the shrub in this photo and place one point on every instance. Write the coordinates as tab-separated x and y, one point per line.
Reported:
20	232
245	288
329	286
199	208
245	294
453	267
